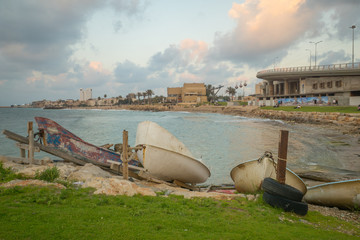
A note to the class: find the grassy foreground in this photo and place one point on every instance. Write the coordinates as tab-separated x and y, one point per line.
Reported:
340	109
49	213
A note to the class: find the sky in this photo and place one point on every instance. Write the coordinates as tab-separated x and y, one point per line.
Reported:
51	49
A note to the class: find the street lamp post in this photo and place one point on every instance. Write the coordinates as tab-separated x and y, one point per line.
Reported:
353	28
309	57
316	43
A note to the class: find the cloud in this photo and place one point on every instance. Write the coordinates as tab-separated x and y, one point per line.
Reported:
128	9
38	39
333	57
266	29
129	72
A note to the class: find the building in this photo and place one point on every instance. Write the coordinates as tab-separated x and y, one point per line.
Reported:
85	94
327	84
192	93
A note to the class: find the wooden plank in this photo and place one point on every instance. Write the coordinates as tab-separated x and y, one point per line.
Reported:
26	147
125	155
184	185
31	142
282	156
130	166
150	178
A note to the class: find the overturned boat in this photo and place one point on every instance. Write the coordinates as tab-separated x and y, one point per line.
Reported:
249	175
58	137
167	158
342	194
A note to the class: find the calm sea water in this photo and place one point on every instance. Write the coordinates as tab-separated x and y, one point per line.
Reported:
221	141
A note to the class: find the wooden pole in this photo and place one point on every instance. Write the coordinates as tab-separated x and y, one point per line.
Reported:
31	142
125	155
282	156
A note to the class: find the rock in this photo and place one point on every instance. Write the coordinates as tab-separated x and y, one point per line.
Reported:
115	186
31	170
13	166
88	171
66	169
31	182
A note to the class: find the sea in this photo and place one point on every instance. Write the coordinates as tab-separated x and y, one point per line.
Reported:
220	141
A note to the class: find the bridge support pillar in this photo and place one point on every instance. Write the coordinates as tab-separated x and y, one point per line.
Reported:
271	88
286	87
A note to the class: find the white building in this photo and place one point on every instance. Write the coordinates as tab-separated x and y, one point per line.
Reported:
85	94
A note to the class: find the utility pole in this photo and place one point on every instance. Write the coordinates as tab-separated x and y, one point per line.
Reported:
316	43
353	28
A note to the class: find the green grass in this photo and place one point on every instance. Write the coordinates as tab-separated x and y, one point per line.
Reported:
48	213
340	109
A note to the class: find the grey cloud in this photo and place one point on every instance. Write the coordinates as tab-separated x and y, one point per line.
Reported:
171	57
128	72
334	57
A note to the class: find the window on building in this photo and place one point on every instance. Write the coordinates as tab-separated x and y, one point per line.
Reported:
338	83
322	85
329	84
315	86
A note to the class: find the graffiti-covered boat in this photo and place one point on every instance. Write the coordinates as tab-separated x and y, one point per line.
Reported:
60	138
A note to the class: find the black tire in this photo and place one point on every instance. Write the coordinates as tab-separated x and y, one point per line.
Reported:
287	205
283	190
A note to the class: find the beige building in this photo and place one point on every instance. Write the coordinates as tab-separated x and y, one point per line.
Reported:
192	93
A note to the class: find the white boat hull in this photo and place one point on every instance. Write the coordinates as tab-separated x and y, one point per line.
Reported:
343	194
166	158
167	165
248	176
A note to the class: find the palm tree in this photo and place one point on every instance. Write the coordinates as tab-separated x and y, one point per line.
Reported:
209	92
149	93
144	94
231	91
139	95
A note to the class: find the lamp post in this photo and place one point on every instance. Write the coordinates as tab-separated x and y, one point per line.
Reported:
316	43
353	28
309	57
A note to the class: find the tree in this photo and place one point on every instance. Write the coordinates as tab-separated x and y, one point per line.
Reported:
149	93
139	95
105	95
209	92
231	91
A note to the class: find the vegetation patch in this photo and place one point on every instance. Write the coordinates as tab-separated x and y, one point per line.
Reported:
48	175
6	174
340	109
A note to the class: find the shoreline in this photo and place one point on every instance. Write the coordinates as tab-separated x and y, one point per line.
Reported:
346	123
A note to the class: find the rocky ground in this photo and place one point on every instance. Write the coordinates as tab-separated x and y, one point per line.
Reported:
104	182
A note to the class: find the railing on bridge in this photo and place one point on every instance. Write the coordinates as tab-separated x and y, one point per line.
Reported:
340	66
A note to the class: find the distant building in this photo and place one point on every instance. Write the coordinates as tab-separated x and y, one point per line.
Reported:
314	85
189	93
85	94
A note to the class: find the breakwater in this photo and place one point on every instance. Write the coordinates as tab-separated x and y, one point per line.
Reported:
348	123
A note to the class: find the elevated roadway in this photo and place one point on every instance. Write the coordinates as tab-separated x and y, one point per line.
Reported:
289	73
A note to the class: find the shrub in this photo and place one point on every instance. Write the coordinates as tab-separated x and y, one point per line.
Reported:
6	174
49	174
